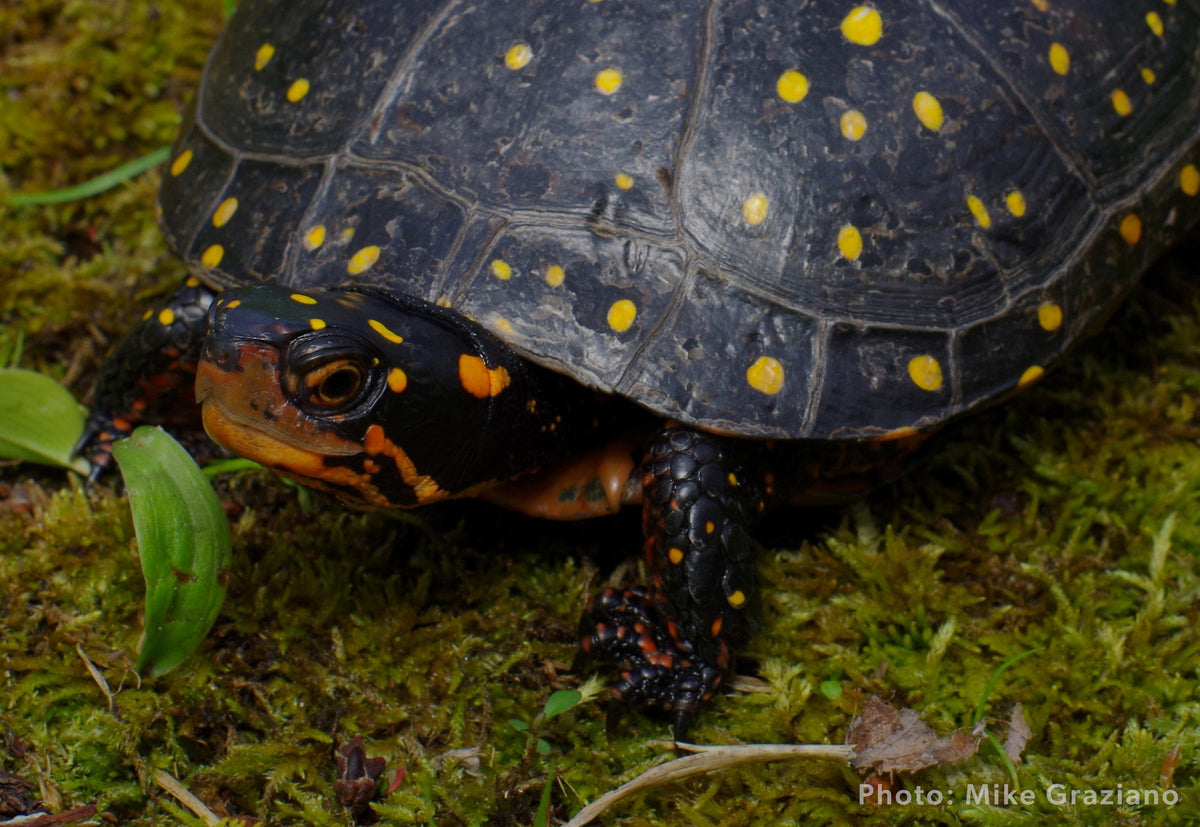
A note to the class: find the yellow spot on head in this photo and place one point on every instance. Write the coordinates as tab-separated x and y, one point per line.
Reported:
853	125
929	110
926	373
518	56
1154	22
166	317
362	260
480	381
300	298
191	281
1015	202
737	599
862	26
1060	60
314	238
792	86
979	210
231	305
675	555
263	56
555	275
181	163
225	212
623	180
501	269
754	208
1041	5
397	380
1131	228
212	256
608	81
849	242
1031	375
621	315
766	375
297	90
1121	102
147	315
316	324
1189	180
1149	76
382	330
1050	316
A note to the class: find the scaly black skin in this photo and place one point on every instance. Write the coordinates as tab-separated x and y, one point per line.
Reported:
150	379
672	642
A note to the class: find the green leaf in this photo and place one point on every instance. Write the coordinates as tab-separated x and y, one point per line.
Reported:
39	420
183	541
559	702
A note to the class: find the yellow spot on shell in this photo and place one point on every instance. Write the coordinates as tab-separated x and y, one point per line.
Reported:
853	125
166	317
1189	180
518	56
383	330
362	260
316	324
754	208
1060	60
501	269
397	380
1015	202
1121	102
1041	5
555	275
766	375
297	90
1031	375
1050	316
979	210
263	56
608	81
191	281
928	110
480	381
347	234
1155	23
862	26
314	238
181	163
1149	76
212	256
926	373
504	325
623	180
233	304
737	599
225	212
849	242
1131	228
300	298
792	86
621	315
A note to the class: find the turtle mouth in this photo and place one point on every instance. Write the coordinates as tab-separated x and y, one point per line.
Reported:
244	410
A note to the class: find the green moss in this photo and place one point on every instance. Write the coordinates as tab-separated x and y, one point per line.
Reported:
1062	522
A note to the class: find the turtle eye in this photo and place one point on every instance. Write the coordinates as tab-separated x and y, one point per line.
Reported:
335	384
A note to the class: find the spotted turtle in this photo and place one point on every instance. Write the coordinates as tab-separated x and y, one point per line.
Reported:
697	256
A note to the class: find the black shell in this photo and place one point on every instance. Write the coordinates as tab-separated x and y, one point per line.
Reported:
787	218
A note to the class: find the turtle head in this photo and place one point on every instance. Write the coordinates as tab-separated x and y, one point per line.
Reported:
381	400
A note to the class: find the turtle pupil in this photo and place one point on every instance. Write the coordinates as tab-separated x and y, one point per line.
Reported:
339	386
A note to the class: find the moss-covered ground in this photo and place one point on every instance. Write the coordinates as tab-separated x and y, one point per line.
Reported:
1065	521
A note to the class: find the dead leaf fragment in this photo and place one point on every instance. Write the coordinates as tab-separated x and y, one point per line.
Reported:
887	739
1019	734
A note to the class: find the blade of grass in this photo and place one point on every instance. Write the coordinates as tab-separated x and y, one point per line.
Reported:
95	186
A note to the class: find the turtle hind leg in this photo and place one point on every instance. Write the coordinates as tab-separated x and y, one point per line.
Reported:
671	642
150	378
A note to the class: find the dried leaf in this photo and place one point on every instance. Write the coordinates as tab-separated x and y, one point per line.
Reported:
887	739
1019	734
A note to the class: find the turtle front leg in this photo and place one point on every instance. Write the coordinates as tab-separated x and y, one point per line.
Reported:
150	378
671	642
